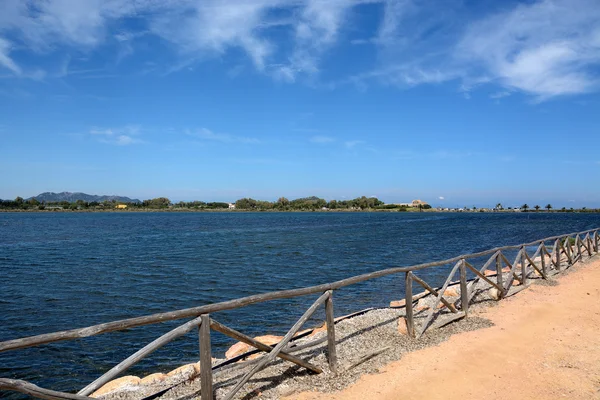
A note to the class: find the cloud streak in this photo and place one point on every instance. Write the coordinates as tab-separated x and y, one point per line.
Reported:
321	139
121	136
544	48
207	134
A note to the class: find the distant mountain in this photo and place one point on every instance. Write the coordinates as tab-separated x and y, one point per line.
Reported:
50	197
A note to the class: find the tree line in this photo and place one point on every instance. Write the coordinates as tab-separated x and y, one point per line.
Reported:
312	203
309	204
282	204
525	207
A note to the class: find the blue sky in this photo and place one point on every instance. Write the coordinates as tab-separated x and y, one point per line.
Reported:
455	102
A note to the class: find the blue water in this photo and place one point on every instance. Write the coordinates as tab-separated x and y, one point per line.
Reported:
67	270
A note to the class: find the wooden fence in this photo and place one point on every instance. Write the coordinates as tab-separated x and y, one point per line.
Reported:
572	246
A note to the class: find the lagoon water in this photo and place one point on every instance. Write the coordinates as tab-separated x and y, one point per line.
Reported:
68	270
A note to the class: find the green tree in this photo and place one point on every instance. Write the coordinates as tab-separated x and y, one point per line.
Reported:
537	208
548	206
158	202
282	203
499	206
525	207
246	204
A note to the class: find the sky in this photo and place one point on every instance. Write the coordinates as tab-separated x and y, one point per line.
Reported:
456	102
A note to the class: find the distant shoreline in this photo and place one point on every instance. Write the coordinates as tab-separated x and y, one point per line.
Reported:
188	210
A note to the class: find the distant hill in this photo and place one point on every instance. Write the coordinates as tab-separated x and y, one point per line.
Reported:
50	197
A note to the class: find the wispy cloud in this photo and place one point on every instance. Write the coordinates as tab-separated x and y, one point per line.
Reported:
321	139
500	95
196	29
5	60
544	48
207	134
353	143
121	136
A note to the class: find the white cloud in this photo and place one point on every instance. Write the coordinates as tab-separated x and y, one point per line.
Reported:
5	59
196	29
121	136
395	11
44	24
546	48
207	134
123	140
441	197
321	139
500	95
317	30
214	26
353	143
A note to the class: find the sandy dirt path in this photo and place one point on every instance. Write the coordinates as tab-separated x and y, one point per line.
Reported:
545	345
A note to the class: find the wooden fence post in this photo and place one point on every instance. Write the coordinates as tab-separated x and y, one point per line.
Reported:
499	276
543	255
464	294
332	353
408	299
206	390
523	267
556	253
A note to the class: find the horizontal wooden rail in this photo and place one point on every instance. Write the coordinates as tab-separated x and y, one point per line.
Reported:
36	391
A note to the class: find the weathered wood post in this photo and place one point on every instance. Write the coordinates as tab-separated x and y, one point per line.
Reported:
331	351
543	258
408	299
596	241
556	253
589	244
523	266
206	390
568	251
499	277
464	294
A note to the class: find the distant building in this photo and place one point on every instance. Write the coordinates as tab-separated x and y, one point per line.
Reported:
417	203
231	206
121	206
